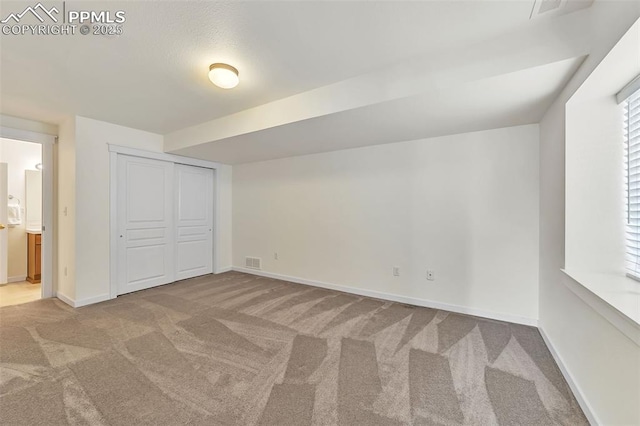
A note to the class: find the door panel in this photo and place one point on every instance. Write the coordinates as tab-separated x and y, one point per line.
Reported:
194	220
145	223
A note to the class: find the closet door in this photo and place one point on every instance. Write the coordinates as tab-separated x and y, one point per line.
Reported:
194	221
145	223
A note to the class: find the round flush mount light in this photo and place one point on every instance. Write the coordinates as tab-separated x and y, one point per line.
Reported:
223	75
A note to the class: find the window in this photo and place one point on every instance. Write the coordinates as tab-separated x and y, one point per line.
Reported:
632	165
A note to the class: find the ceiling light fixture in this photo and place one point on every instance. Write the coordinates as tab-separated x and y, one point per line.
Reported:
223	75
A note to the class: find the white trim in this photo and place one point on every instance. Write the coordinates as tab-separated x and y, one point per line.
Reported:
223	270
48	273
216	240
633	276
91	300
16	279
113	225
397	298
579	285
4	235
66	299
628	90
82	302
163	156
27	136
577	392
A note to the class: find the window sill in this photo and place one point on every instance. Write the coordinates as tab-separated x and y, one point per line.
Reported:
615	297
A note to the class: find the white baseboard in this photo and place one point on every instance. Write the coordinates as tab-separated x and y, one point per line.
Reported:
582	401
69	301
103	297
16	279
82	302
92	300
396	298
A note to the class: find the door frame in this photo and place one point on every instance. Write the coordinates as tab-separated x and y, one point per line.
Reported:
114	151
4	236
48	276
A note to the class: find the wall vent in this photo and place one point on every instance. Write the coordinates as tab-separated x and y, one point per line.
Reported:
253	262
548	5
557	7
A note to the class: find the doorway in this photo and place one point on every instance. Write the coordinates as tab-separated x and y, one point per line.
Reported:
26	186
21	181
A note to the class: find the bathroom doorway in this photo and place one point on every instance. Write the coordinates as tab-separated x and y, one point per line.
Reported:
25	212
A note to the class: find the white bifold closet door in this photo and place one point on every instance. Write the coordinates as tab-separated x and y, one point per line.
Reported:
194	221
146	246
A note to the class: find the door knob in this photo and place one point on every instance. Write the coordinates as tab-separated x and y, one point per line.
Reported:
1	227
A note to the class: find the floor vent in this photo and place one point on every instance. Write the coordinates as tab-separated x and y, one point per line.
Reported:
253	262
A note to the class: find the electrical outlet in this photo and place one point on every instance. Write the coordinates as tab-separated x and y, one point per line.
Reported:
275	256
431	275
396	271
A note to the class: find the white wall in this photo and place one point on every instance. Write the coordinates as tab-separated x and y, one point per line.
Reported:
92	199
602	361
595	232
465	206
65	217
82	221
223	249
20	156
33	199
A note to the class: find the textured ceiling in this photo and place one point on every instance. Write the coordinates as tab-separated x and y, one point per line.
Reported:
154	76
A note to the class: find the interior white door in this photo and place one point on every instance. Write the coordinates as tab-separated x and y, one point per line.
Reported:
4	245
194	221
145	223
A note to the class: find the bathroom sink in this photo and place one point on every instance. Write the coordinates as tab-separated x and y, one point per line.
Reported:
36	231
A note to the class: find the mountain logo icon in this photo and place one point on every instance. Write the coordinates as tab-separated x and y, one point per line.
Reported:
39	11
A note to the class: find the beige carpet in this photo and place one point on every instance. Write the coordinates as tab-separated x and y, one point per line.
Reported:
235	349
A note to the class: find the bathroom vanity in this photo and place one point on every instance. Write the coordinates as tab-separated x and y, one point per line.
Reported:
34	225
34	256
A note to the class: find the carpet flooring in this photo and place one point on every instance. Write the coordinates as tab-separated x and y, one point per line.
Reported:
236	349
